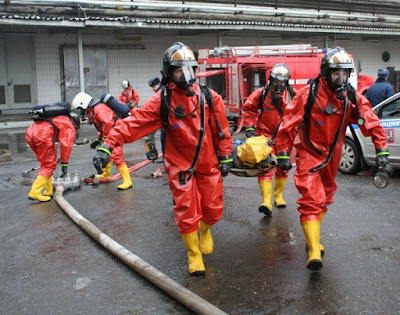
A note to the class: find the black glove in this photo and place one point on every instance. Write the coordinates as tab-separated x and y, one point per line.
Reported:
225	168
152	153
284	161
382	158
95	143
130	104
64	169
102	157
225	165
284	164
251	132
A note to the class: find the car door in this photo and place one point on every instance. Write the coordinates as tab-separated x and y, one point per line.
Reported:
389	114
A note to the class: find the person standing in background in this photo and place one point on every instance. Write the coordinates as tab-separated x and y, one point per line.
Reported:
381	89
128	96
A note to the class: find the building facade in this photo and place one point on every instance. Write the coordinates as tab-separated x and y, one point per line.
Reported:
44	55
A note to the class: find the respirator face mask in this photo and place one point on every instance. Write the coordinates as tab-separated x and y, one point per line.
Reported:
184	77
278	86
337	81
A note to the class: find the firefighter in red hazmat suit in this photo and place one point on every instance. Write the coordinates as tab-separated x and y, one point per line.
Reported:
262	114
128	96
194	131
321	128
104	119
42	137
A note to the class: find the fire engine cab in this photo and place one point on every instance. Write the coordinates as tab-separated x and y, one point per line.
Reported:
235	72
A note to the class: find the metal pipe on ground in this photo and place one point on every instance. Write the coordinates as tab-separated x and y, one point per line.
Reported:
169	286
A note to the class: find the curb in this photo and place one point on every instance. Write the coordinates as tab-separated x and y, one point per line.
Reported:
15	124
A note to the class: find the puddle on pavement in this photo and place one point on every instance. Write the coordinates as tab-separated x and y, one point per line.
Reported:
14	142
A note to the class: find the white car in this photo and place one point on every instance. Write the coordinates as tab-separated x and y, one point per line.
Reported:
359	154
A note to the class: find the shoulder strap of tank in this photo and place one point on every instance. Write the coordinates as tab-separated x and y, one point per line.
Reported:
56	130
314	84
49	121
351	94
290	90
165	98
208	96
263	96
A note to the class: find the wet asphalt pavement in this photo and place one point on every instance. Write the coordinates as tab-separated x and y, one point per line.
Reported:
49	265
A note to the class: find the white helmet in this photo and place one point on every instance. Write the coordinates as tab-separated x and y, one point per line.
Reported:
81	100
125	84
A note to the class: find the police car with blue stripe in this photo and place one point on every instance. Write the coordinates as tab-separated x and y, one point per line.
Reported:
359	153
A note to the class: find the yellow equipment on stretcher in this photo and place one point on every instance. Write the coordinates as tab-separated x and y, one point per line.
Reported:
253	157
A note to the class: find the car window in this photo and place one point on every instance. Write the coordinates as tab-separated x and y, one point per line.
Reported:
392	110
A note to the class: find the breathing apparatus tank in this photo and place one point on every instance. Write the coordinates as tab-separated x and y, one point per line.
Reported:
51	110
120	109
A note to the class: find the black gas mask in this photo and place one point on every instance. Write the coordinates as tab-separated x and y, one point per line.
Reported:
184	77
337	81
278	86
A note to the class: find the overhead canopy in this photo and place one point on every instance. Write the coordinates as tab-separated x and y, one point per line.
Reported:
368	19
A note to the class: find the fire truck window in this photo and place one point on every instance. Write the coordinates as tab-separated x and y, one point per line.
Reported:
217	83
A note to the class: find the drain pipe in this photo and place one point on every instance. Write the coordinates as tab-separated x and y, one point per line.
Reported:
169	286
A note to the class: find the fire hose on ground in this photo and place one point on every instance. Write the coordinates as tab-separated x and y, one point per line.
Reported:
175	290
94	180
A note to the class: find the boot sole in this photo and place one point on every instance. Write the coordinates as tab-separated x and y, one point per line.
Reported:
124	188
314	264
280	206
33	199
199	273
265	210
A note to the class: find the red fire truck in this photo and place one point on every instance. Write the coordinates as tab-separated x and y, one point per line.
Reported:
235	72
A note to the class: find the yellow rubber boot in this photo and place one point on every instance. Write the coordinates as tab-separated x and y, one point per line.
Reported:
106	172
48	191
312	233
279	186
36	190
321	247
196	265
266	194
206	240
126	177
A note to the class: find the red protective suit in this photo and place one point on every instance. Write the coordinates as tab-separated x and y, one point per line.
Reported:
198	197
267	122
42	138
129	96
102	116
317	188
